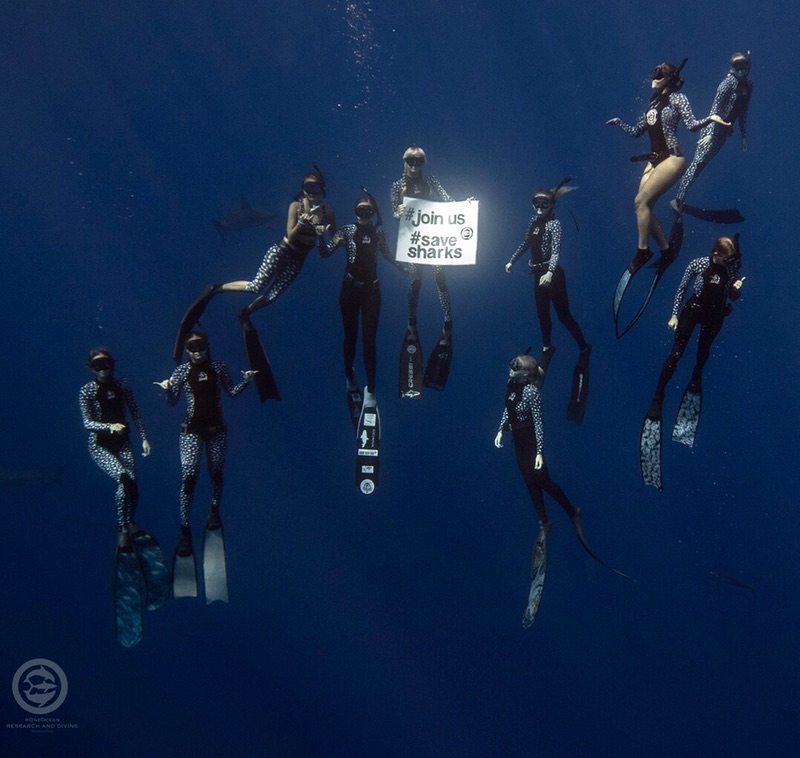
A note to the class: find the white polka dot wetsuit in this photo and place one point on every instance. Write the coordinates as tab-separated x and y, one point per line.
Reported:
202	426
103	404
543	238
522	415
731	103
424	188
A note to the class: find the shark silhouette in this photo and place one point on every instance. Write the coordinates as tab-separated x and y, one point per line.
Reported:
243	218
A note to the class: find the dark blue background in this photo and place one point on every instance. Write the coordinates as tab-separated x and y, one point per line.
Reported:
390	625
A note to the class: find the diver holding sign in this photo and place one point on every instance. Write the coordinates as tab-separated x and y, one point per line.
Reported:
413	185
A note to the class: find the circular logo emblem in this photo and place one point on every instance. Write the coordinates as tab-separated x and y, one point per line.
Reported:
467	232
40	686
411	349
367	487
652	117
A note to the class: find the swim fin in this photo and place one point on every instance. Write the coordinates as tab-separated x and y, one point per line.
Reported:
577	522
650	447
154	569
579	393
715	215
129	597
438	369
661	265
191	317
355	399
688	416
184	570
538	574
410	383
257	359
215	571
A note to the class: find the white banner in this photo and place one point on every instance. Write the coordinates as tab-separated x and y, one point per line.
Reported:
438	234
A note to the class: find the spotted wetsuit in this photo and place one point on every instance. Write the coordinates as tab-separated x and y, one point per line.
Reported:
522	415
424	188
713	288
543	238
202	425
661	121
103	404
361	293
730	104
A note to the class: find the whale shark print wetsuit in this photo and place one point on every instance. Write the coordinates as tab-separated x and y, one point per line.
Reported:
103	404
361	292
203	425
544	240
661	122
424	188
522	415
730	103
712	283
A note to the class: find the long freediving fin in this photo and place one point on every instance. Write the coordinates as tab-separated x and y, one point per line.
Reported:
191	317
688	416
579	393
410	381
258	361
660	268
538	575
215	571
154	569
355	400
577	522
650	450
714	215
129	597
184	570
438	369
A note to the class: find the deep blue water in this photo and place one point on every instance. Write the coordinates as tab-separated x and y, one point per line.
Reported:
390	624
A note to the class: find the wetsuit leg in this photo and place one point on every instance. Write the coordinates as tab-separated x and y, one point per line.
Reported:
370	313
544	481
525	451
444	294
349	302
277	271
560	298
708	333
216	450
542	295
121	468
686	323
413	291
190	445
702	157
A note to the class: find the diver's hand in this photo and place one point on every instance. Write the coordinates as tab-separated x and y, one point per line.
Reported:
248	375
146	449
704	141
545	279
539	461
321	229
164	385
614	121
508	267
471	199
737	285
498	440
401	209
673	323
717	120
118	428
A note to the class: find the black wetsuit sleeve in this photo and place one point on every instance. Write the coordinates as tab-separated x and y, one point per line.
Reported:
525	244
86	399
681	102
552	243
327	248
397	197
383	247
695	267
176	383
634	131
437	190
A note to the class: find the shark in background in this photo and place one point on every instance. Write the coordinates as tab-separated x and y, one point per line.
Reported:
244	217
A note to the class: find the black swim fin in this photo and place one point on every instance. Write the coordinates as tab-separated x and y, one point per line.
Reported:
355	400
257	359
579	394
661	265
184	570
438	369
650	447
191	317
410	382
577	522
715	215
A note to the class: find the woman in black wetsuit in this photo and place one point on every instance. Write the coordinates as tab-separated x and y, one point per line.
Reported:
202	379
665	163
543	238
715	280
103	402
361	294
